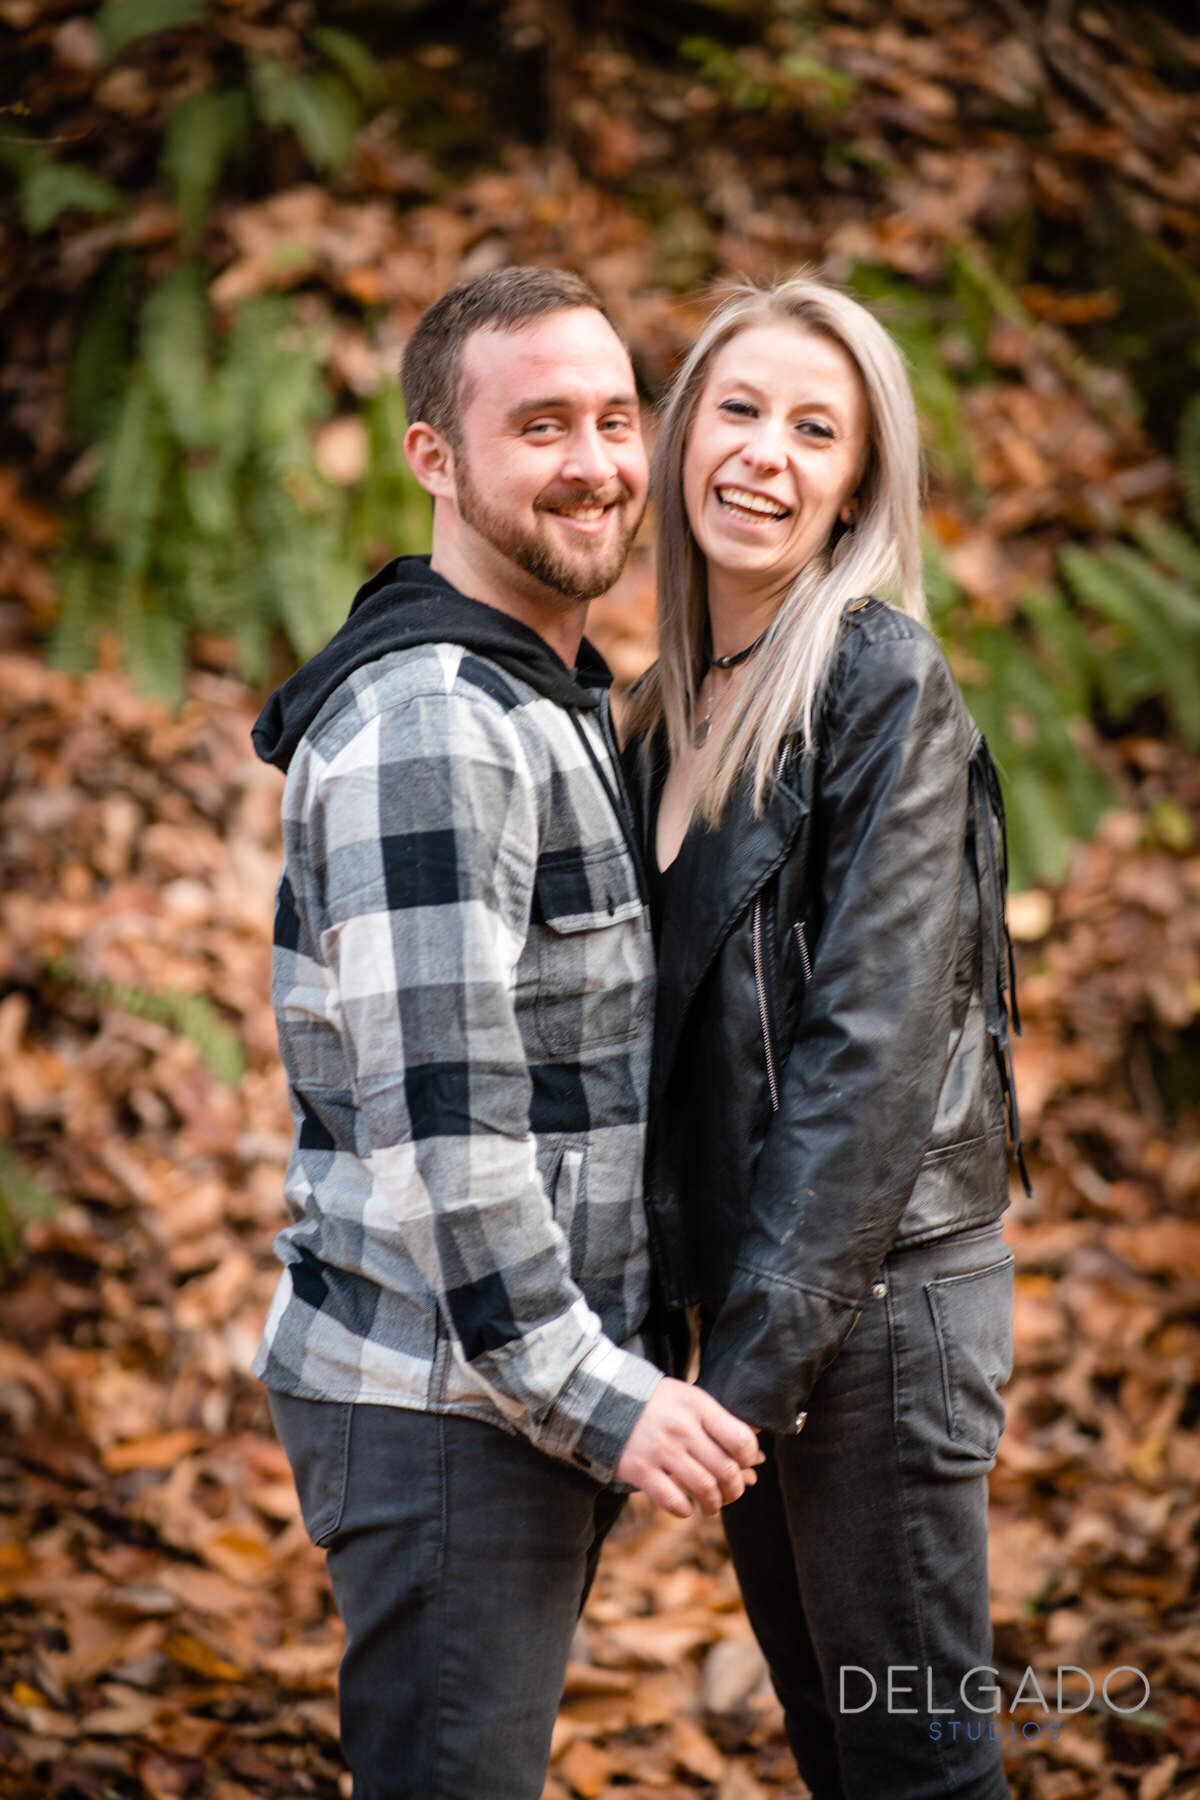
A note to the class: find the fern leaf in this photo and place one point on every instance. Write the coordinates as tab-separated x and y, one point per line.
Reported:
1162	594
49	188
1189	458
130	485
22	1197
1175	549
99	356
174	343
123	22
194	1017
204	132
153	645
351	57
1150	662
82	611
1040	833
318	109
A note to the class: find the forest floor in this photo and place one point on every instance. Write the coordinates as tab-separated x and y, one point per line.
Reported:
165	1627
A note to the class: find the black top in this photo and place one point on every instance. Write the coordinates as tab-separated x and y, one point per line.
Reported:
660	882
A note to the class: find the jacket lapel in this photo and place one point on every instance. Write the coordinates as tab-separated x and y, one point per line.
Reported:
713	881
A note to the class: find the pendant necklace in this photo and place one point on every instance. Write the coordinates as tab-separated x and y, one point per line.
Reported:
704	725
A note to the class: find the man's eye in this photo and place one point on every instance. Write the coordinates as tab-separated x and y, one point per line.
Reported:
616	425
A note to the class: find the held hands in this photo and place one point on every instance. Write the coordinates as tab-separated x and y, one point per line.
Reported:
686	1447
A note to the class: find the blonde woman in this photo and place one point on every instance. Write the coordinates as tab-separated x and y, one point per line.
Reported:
824	840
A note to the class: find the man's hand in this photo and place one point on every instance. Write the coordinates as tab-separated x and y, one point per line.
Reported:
686	1447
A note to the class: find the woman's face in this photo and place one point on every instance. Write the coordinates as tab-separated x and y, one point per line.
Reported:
775	451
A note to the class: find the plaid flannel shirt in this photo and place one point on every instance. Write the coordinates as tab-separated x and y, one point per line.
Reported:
463	984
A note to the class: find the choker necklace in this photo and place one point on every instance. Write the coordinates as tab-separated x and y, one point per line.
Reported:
704	725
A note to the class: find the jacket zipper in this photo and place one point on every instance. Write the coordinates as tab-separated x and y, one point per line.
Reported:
761	985
805	964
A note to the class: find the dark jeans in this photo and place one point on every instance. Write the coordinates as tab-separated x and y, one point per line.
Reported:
864	1544
460	1558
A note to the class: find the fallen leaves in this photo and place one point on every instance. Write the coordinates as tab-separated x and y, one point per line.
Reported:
165	1620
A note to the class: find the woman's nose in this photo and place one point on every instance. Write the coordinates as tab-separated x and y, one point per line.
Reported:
763	449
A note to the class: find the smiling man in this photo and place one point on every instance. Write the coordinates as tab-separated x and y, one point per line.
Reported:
463	982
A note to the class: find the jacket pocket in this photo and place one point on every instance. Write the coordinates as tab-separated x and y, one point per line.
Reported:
972	1320
760	987
801	936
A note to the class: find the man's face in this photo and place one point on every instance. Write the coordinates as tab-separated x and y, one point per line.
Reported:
551	469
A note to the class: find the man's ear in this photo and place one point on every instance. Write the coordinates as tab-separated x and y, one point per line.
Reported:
431	460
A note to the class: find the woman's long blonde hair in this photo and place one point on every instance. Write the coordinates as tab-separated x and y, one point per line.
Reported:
881	555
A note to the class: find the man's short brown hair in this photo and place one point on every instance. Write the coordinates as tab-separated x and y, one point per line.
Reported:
501	300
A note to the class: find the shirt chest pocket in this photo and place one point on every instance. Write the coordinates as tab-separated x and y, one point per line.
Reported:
591	964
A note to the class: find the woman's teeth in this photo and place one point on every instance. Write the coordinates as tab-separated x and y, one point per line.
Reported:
745	505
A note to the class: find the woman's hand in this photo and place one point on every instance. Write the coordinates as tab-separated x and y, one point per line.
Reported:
685	1448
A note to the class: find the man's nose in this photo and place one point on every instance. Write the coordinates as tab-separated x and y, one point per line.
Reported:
589	458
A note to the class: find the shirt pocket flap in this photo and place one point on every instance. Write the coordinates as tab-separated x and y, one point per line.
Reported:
584	891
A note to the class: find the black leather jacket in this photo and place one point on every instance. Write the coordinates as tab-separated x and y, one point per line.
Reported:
831	1054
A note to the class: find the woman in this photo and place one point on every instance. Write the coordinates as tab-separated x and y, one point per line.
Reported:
824	839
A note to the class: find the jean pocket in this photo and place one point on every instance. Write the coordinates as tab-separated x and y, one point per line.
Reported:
972	1320
316	1437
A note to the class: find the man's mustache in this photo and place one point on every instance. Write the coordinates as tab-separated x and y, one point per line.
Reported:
617	494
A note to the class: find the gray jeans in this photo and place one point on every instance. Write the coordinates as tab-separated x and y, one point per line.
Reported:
460	1558
863	1548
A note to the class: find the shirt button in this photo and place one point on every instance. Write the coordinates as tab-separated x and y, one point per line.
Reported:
800	1418
880	1290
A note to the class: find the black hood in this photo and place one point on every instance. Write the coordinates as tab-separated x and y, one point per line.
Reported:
404	605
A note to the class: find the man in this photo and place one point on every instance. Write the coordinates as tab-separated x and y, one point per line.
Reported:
463	984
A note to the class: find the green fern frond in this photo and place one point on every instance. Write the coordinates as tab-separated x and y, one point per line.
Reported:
131	478
48	188
22	1197
350	56
122	22
1189	458
1171	546
190	1016
97	370
153	633
204	133
174	343
318	109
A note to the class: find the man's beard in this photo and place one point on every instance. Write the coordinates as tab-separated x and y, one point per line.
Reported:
577	574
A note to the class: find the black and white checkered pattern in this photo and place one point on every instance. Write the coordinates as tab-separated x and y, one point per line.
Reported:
463	983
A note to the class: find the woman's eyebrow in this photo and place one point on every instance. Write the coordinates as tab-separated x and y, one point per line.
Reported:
816	403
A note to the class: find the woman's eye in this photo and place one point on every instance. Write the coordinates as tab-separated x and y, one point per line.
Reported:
815	428
740	409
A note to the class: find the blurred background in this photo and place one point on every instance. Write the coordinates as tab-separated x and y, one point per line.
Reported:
218	221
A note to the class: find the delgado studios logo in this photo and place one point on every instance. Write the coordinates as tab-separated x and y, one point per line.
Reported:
978	1693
